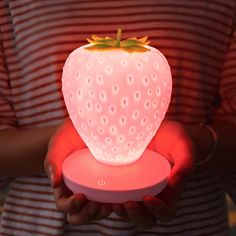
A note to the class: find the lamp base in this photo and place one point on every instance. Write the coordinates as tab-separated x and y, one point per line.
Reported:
115	184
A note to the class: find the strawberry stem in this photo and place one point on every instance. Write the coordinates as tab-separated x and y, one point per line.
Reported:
108	44
118	37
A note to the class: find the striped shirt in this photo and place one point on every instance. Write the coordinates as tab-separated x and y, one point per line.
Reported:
198	39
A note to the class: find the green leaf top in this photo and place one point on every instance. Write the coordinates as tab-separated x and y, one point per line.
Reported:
109	44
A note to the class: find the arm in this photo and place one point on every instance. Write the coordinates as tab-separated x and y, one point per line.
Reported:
203	141
22	151
223	119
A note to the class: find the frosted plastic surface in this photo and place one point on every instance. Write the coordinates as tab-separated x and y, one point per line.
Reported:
116	100
115	184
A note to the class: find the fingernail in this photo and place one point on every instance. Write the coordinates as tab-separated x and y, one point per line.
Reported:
92	209
52	179
80	200
79	203
51	175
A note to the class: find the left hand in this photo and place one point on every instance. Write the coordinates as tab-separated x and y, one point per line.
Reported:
174	143
76	206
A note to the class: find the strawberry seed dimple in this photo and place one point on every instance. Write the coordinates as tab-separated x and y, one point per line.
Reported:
115	149
89	105
94	135
163	101
149	127
112	109
89	65
77	75
154	104
122	120
145	81
99	79
81	113
98	150
113	56
128	145
83	125
144	58
101	145
147	104
140	144
120	138
119	157
104	120
140	135
113	129
124	102
139	65
135	114
90	121
108	70
143	121
91	93
71	95
137	96
89	80
156	114
132	130
164	82
156	65
115	89
130	79
154	76
103	96
100	130
150	92
79	93
132	151
158	91
101	60
124	62
108	140
98	107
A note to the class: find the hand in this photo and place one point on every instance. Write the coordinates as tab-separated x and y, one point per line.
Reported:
174	143
78	209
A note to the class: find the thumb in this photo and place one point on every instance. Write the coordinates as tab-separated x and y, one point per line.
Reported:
52	165
183	156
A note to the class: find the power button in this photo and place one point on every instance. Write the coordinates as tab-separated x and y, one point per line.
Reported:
101	182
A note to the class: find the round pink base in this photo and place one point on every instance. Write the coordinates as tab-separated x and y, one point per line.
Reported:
115	184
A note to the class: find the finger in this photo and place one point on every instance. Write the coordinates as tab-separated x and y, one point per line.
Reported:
68	202
87	214
59	148
139	215
92	209
159	209
119	209
104	211
183	154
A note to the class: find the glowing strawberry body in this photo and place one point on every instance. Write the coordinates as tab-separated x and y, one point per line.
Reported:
116	100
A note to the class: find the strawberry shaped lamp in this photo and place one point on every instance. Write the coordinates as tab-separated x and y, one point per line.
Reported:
116	93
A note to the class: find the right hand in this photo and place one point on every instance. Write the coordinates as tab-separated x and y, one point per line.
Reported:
78	209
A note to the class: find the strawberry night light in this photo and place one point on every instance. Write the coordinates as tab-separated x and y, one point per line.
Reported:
117	93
